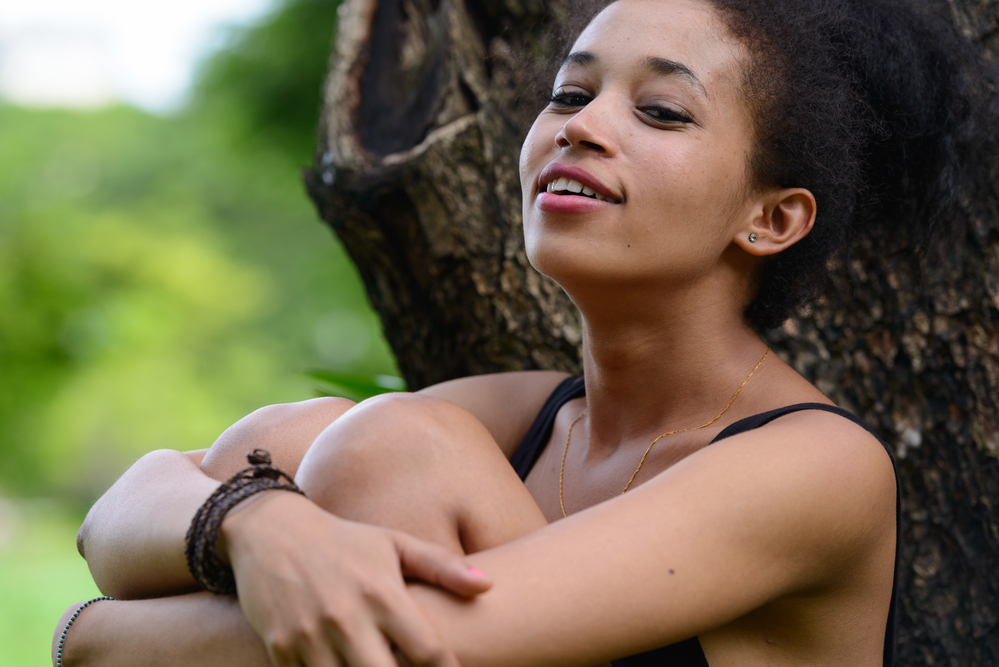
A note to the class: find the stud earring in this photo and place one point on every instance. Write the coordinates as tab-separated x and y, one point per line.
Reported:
753	238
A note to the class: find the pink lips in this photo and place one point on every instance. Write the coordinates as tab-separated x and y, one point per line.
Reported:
553	203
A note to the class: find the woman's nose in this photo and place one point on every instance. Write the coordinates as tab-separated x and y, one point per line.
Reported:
590	128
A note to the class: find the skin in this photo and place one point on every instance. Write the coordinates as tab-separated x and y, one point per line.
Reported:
773	547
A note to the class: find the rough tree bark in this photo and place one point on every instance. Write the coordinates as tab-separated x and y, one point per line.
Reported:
417	175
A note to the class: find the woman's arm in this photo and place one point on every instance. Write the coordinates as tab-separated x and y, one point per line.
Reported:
365	582
793	521
799	510
195	630
133	536
798	514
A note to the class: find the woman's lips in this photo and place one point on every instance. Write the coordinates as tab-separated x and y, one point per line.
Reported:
553	203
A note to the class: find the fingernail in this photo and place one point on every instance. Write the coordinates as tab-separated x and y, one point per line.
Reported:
476	573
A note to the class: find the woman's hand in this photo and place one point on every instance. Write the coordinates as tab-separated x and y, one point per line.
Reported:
321	591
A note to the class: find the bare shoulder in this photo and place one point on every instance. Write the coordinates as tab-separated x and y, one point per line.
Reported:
828	443
506	403
816	467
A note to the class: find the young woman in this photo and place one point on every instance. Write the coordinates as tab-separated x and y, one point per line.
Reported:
694	501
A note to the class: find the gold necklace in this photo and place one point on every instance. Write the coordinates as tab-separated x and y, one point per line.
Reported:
561	472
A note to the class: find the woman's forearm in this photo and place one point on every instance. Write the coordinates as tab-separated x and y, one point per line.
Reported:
196	630
133	537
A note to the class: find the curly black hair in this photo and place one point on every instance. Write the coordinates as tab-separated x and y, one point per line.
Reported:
880	108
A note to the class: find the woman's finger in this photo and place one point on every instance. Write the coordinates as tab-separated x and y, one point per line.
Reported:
363	646
282	654
319	653
404	624
439	566
301	649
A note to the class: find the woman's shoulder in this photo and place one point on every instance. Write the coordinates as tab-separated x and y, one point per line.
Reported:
819	459
809	413
811	492
506	403
814	433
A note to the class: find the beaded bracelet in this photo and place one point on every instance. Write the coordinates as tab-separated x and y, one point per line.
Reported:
69	624
200	546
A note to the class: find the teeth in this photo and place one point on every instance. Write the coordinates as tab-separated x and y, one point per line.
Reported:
566	185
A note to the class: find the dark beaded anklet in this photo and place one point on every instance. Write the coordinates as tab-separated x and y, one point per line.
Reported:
69	624
200	543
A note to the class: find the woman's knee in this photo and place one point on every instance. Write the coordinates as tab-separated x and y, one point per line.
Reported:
392	435
419	464
285	430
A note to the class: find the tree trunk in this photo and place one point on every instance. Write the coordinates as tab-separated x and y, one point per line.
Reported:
417	174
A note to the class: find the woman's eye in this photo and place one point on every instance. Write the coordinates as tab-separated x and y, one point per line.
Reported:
664	115
568	99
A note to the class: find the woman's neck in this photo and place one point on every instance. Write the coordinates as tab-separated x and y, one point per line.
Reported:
658	368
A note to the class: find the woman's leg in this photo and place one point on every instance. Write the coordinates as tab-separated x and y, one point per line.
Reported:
421	465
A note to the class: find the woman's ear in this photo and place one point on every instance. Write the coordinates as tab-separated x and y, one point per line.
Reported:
785	218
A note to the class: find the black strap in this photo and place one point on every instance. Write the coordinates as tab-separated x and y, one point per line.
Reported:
537	437
687	653
764	418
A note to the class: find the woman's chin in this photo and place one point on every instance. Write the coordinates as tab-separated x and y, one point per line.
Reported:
576	270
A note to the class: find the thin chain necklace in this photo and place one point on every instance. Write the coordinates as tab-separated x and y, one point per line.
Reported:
561	472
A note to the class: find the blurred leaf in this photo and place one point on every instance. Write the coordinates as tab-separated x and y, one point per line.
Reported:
356	387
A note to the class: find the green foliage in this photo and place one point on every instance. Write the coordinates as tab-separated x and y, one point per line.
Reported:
270	76
162	277
156	285
159	279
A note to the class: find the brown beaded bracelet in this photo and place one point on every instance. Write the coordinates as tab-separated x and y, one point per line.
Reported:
200	543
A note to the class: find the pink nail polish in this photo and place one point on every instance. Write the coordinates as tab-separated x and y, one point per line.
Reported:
476	573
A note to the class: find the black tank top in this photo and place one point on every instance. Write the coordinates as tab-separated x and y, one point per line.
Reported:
688	653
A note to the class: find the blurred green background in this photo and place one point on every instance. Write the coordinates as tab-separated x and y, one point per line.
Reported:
160	277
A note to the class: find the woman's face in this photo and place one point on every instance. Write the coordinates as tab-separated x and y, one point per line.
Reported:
648	117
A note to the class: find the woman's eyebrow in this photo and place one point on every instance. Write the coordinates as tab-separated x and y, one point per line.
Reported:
579	58
655	65
666	67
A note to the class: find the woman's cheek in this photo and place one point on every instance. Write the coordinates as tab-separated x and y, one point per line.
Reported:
529	159
532	246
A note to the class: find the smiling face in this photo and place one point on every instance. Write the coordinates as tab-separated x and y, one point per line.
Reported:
636	171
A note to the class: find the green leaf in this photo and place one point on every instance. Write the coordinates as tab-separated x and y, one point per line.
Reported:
355	387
